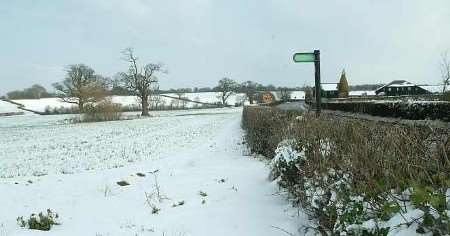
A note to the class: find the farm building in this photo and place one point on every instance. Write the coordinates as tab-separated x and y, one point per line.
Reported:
329	90
433	88
403	87
273	96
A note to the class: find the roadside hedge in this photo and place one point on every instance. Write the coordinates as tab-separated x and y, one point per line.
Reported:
405	110
357	177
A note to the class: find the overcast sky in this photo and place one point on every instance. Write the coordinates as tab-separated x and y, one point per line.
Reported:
202	41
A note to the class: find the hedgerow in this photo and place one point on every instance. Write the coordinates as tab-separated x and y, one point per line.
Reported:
412	110
357	177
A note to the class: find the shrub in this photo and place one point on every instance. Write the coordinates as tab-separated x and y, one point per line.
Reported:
60	110
102	111
352	176
40	221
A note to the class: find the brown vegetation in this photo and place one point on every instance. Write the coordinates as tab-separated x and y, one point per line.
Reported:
375	160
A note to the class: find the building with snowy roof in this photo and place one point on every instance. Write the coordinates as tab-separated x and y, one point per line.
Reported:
329	90
403	87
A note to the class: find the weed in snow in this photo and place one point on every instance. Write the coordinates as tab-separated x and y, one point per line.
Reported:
156	196
40	221
123	183
140	174
180	203
203	194
107	191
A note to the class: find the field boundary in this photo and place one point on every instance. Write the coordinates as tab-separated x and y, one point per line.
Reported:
22	107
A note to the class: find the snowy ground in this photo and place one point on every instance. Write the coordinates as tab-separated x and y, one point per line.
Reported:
40	105
46	162
6	107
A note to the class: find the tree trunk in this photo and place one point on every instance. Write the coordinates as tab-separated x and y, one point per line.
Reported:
144	106
80	106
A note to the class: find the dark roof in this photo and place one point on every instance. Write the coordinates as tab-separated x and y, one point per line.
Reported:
397	83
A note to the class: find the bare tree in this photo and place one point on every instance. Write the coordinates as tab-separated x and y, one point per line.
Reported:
445	71
182	99
155	101
141	81
250	90
81	86
226	87
284	94
308	93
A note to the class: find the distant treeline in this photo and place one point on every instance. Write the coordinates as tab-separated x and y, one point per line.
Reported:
34	92
38	91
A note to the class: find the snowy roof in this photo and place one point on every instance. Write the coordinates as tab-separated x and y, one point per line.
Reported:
397	83
433	88
329	86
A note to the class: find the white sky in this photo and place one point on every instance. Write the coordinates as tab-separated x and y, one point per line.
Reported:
202	41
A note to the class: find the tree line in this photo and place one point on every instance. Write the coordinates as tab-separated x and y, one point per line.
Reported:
82	85
114	87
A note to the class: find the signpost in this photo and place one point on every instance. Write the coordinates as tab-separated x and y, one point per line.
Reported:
312	57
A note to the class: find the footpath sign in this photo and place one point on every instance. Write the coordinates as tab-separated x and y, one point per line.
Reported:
305	57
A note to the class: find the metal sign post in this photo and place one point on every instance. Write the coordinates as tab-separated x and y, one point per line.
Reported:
312	57
317	80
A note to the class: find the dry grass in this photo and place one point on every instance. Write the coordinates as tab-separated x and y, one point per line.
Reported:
102	111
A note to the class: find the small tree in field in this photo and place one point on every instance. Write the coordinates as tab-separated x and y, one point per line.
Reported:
226	87
81	86
155	101
308	94
250	89
445	71
141	81
284	94
343	88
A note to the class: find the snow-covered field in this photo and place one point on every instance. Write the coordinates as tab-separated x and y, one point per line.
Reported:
73	169
6	107
40	105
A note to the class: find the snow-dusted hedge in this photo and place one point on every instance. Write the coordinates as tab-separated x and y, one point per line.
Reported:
358	177
265	128
412	110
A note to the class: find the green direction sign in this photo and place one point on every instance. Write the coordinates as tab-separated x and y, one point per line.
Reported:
304	57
